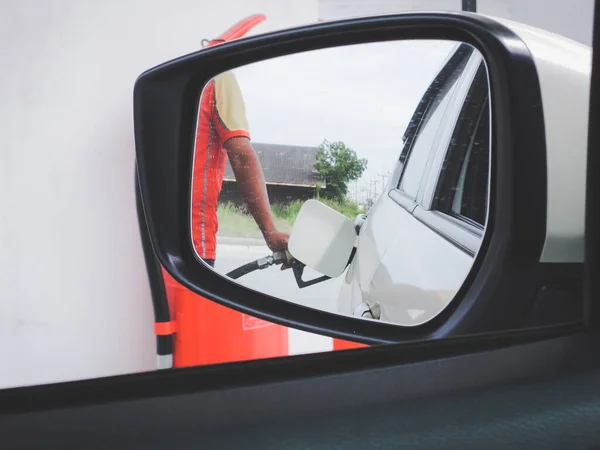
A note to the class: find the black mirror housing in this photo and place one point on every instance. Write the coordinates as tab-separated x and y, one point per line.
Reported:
507	273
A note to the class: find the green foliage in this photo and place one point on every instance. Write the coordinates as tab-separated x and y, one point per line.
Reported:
348	208
234	222
290	211
338	165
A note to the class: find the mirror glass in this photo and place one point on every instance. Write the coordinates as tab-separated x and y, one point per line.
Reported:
351	179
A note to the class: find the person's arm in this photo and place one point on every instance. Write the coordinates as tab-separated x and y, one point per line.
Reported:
232	126
251	182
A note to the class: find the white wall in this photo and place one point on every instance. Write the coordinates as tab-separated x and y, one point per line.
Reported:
571	18
339	9
75	300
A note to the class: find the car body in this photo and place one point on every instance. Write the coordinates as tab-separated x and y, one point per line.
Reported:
418	244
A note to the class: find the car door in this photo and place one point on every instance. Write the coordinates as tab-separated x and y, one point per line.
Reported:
414	252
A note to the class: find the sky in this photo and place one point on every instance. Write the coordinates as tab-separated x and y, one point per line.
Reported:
363	95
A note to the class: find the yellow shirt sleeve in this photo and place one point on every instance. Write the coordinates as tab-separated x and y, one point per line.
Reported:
230	108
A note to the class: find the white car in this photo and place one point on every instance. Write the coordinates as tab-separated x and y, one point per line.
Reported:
418	243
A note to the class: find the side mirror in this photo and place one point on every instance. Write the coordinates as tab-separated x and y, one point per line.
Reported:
322	238
467	234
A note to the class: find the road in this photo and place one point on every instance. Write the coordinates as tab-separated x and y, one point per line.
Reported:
232	253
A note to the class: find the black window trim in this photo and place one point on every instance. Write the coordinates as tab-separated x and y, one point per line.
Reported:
452	84
430	185
459	230
460	56
467	220
454	60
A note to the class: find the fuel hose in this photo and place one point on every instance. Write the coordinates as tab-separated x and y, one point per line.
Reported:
259	264
244	270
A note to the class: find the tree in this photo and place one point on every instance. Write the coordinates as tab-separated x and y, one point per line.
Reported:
338	165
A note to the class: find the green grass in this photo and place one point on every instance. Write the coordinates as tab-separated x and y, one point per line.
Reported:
290	212
234	222
347	208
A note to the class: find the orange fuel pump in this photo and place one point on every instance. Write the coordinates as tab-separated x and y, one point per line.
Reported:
198	331
208	333
205	332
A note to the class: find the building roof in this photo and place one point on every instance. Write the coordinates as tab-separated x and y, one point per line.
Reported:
288	165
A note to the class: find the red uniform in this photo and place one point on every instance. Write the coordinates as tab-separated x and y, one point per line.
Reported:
222	116
206	332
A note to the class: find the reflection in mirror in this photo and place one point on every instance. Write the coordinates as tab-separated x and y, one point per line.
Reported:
352	179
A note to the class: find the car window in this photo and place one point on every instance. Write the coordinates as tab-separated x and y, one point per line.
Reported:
470	199
462	191
420	151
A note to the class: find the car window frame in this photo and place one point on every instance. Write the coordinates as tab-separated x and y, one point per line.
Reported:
443	103
427	194
454	68
463	234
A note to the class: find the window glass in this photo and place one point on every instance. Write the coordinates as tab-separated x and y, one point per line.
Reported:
470	195
419	153
463	188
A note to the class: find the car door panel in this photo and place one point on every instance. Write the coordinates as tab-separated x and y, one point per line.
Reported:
398	261
419	273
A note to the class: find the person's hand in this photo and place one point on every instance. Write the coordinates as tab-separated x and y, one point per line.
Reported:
277	241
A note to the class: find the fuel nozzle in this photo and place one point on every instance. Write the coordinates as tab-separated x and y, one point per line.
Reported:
277	258
282	257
